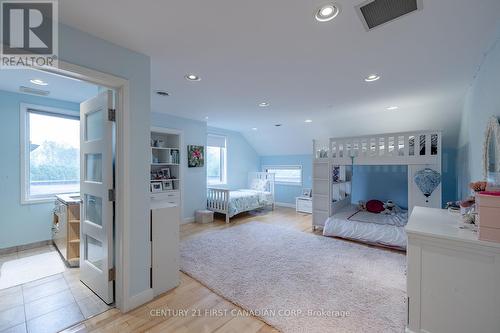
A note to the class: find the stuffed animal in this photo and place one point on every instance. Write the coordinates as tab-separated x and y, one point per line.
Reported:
361	205
391	208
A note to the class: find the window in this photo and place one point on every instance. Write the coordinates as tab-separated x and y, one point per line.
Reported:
286	174
216	159
50	146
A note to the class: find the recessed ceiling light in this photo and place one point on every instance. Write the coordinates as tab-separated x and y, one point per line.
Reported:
39	82
192	77
264	104
254	128
206	118
372	77
394	107
327	12
162	93
308	121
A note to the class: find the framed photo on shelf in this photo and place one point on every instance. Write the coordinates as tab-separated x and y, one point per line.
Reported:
167	186
165	173
156	187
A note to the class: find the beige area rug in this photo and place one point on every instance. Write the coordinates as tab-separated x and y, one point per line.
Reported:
18	271
300	282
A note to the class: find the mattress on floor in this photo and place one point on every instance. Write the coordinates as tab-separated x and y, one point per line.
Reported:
379	229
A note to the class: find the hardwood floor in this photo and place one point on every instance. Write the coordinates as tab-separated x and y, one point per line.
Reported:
188	307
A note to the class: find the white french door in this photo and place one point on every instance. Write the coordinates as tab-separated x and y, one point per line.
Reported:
97	195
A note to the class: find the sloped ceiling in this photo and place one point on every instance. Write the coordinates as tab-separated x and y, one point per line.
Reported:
252	51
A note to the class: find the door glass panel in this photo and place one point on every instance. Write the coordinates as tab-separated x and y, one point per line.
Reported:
94	251
94	125
93	209
93	168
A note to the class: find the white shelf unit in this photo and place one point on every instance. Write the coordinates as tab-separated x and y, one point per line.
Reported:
165	157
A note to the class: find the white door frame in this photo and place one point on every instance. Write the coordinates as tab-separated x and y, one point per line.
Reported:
123	300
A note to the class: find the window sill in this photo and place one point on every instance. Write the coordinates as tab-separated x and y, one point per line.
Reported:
288	184
37	201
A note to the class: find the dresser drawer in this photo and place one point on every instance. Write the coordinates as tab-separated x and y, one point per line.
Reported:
304	206
169	197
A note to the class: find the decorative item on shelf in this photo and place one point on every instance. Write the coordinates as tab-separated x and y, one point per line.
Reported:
468	211
195	156
336	174
156	187
159	143
175	156
167	186
165	173
478	186
323	153
155	159
307	192
427	181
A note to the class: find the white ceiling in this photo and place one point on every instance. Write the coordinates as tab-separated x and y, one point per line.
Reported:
59	87
252	51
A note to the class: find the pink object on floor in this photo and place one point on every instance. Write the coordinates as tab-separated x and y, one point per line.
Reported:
489	216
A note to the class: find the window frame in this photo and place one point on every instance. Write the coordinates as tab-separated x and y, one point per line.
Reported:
223	158
24	148
286	167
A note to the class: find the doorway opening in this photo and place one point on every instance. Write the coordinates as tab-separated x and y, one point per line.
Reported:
57	250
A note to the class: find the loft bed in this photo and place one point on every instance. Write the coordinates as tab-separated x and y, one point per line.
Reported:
260	194
333	210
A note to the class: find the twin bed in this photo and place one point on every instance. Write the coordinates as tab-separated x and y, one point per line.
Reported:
260	194
386	230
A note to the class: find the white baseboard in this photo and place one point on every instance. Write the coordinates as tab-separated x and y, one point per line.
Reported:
138	300
284	204
188	220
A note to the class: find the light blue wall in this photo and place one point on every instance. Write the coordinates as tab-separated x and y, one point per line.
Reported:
194	195
20	224
482	102
287	193
380	182
369	182
92	52
241	158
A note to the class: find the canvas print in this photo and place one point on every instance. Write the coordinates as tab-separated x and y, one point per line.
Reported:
196	156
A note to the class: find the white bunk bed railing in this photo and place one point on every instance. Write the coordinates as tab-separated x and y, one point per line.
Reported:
419	147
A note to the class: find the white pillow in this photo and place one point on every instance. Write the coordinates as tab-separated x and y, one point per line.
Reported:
259	185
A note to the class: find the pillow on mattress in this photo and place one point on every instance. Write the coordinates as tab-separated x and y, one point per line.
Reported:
259	184
375	206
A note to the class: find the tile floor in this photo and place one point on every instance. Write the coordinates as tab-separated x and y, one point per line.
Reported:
47	305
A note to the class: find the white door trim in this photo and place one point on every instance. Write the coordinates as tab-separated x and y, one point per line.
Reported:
123	300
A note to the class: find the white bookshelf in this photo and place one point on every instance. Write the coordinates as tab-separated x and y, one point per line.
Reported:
165	164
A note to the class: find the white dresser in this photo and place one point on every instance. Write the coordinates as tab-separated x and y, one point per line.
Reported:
303	205
453	279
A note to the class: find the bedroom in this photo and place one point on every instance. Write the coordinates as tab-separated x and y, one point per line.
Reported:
279	159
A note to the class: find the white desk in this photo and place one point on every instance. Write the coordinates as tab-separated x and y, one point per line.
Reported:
453	279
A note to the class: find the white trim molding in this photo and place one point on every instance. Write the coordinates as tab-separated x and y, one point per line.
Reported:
285	204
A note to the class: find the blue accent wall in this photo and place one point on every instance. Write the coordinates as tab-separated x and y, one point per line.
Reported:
241	158
481	103
380	182
20	224
287	193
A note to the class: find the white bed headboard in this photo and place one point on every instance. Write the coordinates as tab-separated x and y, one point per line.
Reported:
262	175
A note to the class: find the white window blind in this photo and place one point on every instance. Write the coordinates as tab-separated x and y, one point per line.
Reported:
286	174
214	140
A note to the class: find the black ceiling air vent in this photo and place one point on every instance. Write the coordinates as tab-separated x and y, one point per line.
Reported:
377	12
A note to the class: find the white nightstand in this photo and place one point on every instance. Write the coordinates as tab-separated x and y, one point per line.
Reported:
303	204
